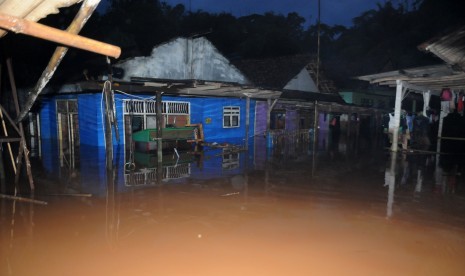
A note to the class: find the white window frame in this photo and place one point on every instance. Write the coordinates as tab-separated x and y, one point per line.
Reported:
146	108
232	112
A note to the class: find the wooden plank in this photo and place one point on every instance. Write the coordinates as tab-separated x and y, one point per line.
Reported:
22	26
86	10
9	139
24	199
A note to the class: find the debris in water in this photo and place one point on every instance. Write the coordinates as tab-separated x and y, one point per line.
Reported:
230	194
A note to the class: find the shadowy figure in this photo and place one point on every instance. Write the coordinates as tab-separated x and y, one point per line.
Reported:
335	134
421	129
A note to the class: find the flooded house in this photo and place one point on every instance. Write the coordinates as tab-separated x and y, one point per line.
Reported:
231	102
196	86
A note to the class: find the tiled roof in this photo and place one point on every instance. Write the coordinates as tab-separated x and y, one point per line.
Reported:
275	73
272	73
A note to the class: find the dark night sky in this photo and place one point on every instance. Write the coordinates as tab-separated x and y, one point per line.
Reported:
332	11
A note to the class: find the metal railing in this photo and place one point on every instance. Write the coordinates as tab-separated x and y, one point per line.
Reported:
139	107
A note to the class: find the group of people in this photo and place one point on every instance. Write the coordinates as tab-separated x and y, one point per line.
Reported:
414	130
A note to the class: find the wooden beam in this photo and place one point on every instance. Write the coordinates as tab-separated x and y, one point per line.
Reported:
22	26
84	13
7	139
24	199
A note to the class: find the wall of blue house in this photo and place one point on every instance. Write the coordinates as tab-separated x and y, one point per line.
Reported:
90	120
208	111
48	118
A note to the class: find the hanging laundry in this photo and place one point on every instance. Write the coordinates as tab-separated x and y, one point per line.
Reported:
460	104
446	94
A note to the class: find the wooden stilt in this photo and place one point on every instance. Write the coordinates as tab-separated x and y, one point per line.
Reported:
247	123
159	111
108	130
23	145
5	131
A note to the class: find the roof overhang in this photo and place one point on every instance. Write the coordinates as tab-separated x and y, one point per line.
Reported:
426	78
178	88
450	48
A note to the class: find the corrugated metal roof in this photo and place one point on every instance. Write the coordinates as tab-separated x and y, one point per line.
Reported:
272	73
277	72
450	48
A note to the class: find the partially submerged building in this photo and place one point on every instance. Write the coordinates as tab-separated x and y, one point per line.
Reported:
236	102
429	81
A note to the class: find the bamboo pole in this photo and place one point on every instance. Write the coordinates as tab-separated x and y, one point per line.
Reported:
23	144
83	195
247	123
24	199
5	113
86	10
108	104
159	111
5	130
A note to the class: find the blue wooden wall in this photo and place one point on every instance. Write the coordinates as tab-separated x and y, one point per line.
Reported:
208	111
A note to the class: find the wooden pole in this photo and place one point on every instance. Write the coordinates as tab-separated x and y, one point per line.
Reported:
22	26
23	145
159	111
5	130
23	199
268	117
315	124
86	10
318	49
247	123
397	109
108	130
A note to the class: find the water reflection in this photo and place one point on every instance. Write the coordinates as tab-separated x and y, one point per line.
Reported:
426	175
310	200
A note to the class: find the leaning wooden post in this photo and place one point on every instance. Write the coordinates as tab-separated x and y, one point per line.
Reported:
159	114
27	27
108	129
23	144
84	13
5	130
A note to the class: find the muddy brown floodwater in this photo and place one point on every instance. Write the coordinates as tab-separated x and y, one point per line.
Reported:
326	213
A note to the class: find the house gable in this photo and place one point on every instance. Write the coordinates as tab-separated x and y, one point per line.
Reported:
183	59
302	82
